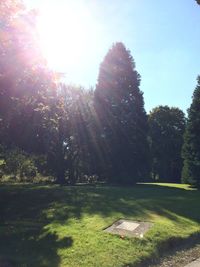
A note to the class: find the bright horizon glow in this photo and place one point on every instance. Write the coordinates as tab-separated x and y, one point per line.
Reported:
67	35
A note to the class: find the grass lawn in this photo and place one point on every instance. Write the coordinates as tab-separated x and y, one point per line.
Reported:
62	226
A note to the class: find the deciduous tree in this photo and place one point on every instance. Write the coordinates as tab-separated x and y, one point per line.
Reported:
166	139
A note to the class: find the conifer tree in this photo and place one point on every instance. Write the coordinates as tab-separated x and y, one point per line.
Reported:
191	147
122	118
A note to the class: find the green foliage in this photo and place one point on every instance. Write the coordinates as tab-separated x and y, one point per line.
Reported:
14	161
122	119
70	136
186	174
41	164
191	148
2	164
18	165
28	170
167	127
26	83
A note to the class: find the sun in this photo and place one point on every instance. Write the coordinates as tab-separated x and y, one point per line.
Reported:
65	33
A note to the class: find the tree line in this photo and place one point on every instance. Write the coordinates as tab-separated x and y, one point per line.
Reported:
79	135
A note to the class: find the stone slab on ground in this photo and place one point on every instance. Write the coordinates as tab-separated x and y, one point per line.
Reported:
129	228
195	263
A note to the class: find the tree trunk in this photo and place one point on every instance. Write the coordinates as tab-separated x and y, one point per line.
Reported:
60	179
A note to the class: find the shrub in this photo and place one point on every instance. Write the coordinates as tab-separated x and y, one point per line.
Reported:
40	162
19	164
13	161
28	170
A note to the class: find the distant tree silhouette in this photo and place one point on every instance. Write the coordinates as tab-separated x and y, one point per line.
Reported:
167	127
122	118
191	148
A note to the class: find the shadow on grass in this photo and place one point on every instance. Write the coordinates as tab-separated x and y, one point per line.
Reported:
25	210
53	203
30	246
24	240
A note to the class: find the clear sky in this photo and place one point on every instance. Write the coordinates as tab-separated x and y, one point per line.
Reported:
163	37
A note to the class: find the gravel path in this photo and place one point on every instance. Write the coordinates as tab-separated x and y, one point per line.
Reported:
180	258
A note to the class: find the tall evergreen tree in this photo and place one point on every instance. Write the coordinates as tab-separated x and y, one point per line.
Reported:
122	118
191	148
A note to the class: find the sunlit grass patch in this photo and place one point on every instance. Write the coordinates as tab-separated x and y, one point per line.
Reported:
174	185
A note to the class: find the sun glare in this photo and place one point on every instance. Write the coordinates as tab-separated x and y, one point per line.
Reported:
65	34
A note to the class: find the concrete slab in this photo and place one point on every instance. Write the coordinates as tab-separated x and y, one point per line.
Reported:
195	263
129	228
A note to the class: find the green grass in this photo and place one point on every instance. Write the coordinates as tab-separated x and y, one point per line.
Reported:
63	226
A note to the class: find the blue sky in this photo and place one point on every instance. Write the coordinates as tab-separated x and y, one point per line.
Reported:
163	37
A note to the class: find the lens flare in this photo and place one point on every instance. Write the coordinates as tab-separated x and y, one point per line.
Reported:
66	33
